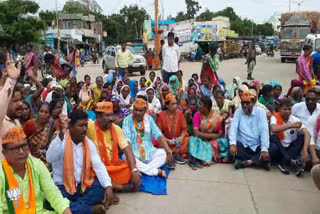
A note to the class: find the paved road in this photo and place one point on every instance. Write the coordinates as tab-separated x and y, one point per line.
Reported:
221	189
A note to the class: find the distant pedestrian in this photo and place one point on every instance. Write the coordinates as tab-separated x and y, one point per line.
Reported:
124	58
210	66
31	61
171	57
251	60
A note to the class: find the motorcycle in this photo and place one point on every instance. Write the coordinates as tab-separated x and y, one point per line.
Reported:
270	53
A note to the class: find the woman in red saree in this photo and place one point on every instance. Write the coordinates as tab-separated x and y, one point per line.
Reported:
210	66
173	125
37	132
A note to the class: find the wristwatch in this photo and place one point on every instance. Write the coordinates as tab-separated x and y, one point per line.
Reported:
168	153
134	170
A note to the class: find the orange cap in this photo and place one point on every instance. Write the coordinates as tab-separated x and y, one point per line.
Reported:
140	103
15	134
246	96
104	107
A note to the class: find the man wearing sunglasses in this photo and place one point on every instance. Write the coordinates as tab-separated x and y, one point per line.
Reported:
24	180
306	109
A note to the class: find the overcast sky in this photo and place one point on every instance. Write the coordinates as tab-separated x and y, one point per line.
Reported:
258	10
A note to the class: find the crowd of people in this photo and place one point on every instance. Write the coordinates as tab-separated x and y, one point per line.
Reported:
71	145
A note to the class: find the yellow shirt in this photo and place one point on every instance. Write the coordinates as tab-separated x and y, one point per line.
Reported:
122	143
124	59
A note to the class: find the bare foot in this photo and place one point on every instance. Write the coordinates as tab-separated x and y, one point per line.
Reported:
116	200
98	209
162	173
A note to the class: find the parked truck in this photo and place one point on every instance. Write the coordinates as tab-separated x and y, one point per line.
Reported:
295	26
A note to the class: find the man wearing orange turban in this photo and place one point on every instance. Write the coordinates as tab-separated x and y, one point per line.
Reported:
18	164
138	129
249	135
107	137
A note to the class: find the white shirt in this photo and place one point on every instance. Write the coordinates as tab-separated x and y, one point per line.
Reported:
171	57
311	127
55	155
301	111
290	135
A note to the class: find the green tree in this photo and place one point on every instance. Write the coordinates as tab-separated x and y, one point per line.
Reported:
181	16
134	17
193	8
18	25
113	29
228	12
74	7
265	29
47	16
207	15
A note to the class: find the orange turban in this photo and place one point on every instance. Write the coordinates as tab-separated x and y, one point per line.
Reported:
140	103
246	96
104	107
170	97
13	135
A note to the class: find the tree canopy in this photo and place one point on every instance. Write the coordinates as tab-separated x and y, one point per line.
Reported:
244	27
19	23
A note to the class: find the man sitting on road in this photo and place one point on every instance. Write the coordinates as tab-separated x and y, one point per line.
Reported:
26	177
249	135
286	130
310	107
108	137
139	128
77	168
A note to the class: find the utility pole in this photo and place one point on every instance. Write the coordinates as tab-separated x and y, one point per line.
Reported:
156	61
289	6
58	30
299	4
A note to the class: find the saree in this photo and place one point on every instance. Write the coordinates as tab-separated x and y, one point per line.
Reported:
174	129
37	139
306	69
209	68
214	150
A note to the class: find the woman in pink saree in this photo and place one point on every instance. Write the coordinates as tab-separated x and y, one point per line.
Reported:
305	69
31	61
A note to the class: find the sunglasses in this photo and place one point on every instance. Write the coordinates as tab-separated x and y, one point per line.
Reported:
16	149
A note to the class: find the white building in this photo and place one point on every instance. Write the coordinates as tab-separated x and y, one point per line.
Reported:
274	20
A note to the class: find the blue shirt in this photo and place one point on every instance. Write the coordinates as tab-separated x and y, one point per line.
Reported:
252	131
316	61
150	130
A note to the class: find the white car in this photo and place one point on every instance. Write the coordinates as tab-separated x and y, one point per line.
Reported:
109	56
258	50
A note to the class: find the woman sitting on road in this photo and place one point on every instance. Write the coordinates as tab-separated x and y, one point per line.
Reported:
26	113
208	143
174	127
266	97
125	98
37	132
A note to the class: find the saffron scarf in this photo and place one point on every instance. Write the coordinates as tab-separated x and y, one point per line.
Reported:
119	170
140	133
102	145
17	205
280	135
69	180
